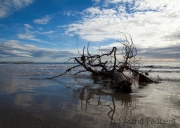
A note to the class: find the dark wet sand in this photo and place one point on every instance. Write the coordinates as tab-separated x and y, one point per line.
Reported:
83	102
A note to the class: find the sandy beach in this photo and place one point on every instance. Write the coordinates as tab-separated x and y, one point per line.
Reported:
83	101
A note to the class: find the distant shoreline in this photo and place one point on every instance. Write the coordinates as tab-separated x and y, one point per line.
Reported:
26	62
20	62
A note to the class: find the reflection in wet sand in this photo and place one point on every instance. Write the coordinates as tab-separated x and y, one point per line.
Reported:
82	101
118	107
23	100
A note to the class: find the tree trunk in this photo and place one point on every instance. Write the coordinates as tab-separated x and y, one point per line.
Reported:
123	84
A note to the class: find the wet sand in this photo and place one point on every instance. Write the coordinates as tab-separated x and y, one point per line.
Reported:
69	102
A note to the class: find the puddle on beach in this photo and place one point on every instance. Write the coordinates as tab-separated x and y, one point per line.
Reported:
69	102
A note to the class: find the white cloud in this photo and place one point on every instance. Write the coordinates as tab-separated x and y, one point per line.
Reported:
32	38
12	49
96	12
30	35
118	1
43	32
96	1
25	36
149	23
156	5
70	13
110	46
43	20
9	6
46	33
28	26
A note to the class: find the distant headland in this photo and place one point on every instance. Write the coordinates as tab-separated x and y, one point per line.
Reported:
19	62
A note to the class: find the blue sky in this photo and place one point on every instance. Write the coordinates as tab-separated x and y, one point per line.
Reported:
47	30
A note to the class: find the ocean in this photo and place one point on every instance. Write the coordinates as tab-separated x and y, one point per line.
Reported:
27	99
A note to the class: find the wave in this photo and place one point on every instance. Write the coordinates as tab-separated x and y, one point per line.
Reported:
160	67
168	79
173	80
161	71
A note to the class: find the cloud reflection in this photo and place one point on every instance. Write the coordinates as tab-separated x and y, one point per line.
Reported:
23	100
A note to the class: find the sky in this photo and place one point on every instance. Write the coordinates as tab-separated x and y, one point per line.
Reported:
48	30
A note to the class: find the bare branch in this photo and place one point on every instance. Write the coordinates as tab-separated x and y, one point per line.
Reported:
68	70
80	72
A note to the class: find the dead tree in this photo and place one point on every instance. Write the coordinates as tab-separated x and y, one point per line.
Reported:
112	68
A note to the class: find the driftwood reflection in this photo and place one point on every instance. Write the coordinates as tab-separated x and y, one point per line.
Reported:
118	107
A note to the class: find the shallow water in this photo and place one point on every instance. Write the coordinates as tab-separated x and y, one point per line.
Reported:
83	101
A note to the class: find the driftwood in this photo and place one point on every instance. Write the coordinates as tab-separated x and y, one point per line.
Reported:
112	68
